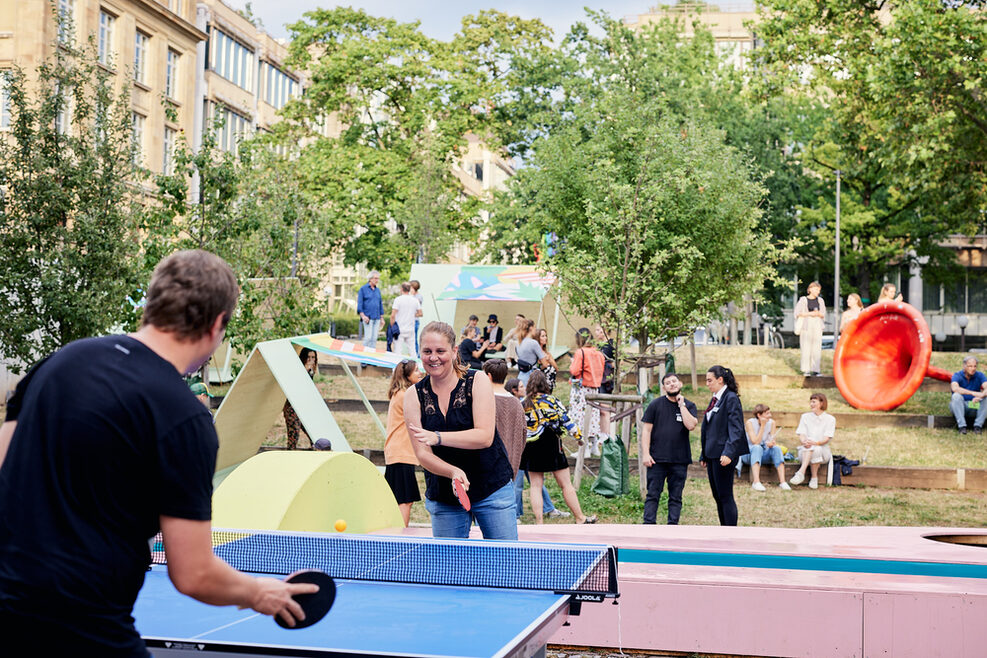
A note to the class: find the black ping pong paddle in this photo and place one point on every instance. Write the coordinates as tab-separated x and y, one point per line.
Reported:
314	605
464	500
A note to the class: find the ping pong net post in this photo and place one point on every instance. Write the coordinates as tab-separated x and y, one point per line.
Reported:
584	572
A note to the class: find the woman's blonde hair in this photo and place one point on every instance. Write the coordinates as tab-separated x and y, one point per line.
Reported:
447	332
855	296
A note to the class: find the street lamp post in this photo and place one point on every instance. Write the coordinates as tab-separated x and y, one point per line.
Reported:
962	321
836	286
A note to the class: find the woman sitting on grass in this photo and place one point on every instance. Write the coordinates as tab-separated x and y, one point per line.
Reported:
543	453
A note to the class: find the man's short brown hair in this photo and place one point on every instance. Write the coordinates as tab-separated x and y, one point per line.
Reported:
188	290
496	369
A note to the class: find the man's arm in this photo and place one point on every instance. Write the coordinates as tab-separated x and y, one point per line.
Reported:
956	388
688	419
197	572
647	459
6	433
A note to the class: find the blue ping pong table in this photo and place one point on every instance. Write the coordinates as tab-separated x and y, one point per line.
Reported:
396	596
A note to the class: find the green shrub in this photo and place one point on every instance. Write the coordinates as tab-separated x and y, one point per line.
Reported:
346	325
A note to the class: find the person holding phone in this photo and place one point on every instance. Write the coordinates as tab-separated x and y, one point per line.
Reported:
451	418
723	440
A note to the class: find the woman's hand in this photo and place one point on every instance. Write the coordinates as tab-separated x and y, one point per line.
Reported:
424	437
724	460
459	474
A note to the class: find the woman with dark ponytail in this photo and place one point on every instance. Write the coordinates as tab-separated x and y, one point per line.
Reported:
723	440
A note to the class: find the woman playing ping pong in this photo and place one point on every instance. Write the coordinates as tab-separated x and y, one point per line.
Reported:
450	416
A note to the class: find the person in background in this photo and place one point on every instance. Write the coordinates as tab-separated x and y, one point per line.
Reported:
471	330
513	339
129	452
889	293
762	433
605	344
415	288
515	388
292	424
399	454
530	355
547	418
810	313
471	354
854	306
815	432
370	308
201	394
666	448
585	376
723	440
451	418
493	334
969	388
551	368
405	310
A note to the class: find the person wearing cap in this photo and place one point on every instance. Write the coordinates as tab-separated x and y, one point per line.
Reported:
322	444
493	334
370	308
201	393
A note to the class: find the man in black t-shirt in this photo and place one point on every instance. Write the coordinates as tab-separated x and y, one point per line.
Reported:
665	445
103	444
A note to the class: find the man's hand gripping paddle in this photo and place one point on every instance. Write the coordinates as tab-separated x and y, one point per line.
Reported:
316	605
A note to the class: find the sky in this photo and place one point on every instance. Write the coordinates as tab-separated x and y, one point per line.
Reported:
441	19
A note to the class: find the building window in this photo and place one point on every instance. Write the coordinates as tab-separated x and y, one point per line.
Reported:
175	6
63	118
167	165
65	17
140	56
4	100
171	74
279	87
231	59
106	23
235	127
138	139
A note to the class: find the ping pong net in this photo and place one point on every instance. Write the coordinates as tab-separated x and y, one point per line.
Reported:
588	572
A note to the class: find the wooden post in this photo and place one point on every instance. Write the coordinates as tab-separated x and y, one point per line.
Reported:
625	428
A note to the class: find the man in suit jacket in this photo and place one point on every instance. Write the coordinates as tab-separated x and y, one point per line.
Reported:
723	440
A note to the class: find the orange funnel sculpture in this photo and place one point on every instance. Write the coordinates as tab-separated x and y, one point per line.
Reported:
883	356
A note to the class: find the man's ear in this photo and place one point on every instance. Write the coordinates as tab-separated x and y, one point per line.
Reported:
218	327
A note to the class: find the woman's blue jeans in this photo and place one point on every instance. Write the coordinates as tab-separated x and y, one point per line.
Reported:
495	515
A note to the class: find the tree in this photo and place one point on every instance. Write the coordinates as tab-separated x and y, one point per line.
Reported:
68	219
405	104
247	207
660	220
900	85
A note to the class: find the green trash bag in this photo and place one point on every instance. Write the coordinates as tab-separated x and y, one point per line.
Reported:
614	476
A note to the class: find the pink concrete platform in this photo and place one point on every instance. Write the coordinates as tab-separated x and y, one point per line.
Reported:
857	591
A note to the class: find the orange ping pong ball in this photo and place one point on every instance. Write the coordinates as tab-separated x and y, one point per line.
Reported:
340	525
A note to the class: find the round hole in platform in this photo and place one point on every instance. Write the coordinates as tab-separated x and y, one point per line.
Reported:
963	540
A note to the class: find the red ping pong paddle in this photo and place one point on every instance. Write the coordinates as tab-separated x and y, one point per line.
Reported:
315	605
464	500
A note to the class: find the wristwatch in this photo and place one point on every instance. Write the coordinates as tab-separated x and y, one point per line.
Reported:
438	439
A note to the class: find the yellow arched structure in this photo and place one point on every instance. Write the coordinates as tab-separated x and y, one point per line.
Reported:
305	491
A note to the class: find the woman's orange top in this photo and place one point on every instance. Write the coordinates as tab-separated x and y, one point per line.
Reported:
397	447
587	365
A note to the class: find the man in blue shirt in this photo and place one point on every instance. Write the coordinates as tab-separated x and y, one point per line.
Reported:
370	307
969	387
